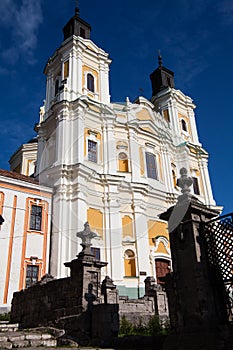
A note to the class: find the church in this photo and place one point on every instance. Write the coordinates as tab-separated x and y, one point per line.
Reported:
114	165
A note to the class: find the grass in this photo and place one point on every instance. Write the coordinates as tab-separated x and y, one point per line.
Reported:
152	328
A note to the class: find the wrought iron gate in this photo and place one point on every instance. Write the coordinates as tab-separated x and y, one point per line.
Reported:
218	237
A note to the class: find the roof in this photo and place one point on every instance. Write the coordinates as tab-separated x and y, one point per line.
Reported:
17	176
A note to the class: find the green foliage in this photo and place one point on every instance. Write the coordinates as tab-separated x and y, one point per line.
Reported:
152	328
126	328
5	317
154	325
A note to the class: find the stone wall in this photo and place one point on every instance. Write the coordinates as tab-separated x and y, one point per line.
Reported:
43	304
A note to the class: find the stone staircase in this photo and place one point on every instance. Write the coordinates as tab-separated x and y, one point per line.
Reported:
12	337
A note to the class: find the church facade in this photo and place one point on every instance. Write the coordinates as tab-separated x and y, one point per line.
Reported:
114	165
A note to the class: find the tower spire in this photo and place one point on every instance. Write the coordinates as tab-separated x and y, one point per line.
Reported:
160	60
76	8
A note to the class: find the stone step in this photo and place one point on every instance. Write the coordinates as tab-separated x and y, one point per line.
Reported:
6	326
23	339
5	345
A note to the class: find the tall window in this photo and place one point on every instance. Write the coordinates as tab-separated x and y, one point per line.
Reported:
184	125
162	268
196	189
90	82
66	69
92	151
130	267
56	87
151	165
174	178
123	162
32	273
36	218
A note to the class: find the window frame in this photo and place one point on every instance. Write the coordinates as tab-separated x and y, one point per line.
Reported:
33	226
31	277
196	187
149	169
90	153
90	84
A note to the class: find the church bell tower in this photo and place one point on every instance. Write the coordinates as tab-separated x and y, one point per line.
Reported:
78	67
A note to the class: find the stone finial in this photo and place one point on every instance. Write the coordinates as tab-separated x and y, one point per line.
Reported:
184	181
86	236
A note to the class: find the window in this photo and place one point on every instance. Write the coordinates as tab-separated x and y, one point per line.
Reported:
130	267
123	162
196	189
82	33
162	267
96	252
92	151
56	87
66	69
32	273
151	165
90	82
36	218
184	125
168	81
174	178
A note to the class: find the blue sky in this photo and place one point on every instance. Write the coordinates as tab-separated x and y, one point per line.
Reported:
195	38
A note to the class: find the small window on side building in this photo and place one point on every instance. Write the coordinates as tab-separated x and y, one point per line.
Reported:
32	274
36	218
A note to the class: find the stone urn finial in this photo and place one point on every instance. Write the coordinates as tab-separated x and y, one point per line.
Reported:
184	182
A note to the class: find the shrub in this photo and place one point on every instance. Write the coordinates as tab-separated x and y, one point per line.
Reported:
126	327
154	326
5	317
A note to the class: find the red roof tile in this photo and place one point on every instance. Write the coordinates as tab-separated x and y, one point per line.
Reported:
17	176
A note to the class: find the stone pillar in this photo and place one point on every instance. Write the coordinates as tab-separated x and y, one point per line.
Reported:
86	272
109	291
196	310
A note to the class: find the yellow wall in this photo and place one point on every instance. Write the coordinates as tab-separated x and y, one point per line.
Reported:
156	228
123	165
95	219
95	74
130	268
127	226
141	161
144	115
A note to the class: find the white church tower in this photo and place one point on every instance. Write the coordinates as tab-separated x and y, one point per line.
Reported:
114	165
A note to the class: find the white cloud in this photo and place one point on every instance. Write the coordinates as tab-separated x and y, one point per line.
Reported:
22	20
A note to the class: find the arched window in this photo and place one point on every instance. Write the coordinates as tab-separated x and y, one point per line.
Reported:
90	82
123	162
184	125
130	267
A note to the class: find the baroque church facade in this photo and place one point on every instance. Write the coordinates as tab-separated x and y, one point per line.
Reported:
114	165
